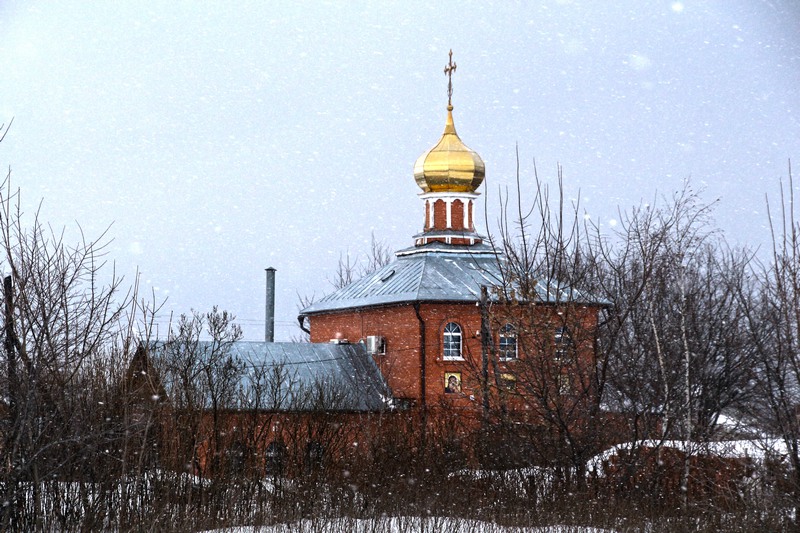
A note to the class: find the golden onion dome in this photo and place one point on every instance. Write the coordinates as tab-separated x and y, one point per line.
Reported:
450	166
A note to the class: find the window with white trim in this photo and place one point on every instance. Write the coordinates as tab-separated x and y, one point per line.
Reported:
508	343
564	385
452	341
274	458
563	345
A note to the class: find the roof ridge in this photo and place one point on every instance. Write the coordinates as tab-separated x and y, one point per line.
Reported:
418	288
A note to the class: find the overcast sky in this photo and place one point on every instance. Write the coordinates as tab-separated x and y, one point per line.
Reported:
217	139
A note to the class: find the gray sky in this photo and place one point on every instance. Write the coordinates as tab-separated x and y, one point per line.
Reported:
221	138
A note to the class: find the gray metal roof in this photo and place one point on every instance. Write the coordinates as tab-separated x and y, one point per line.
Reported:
289	376
434	273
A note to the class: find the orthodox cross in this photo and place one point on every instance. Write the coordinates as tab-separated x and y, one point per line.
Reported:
448	71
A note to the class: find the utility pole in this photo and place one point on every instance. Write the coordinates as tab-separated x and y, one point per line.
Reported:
486	341
8	344
9	514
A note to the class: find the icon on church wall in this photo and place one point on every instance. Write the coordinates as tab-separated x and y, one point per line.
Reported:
452	382
508	381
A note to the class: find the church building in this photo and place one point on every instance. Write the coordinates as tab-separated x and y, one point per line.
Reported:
421	316
449	330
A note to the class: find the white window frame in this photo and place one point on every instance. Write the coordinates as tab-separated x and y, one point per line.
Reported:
452	335
562	339
507	338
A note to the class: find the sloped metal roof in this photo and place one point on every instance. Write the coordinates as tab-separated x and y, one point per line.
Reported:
434	275
289	376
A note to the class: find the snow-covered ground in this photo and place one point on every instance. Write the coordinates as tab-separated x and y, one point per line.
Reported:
405	525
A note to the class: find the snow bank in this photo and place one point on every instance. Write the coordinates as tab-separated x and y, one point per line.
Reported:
756	450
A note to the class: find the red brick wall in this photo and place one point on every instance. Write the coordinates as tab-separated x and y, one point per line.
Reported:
460	413
400	326
436	316
457	215
401	363
439	215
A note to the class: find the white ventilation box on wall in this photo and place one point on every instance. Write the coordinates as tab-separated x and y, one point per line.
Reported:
376	345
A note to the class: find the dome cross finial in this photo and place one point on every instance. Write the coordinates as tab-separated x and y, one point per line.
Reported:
449	69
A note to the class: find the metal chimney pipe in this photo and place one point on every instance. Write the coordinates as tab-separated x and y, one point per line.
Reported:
269	312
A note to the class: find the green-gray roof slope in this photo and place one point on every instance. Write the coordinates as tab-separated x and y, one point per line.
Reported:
433	276
291	376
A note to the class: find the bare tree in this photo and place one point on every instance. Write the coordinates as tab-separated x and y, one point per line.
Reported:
201	379
348	270
62	328
552	371
773	319
665	358
673	335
